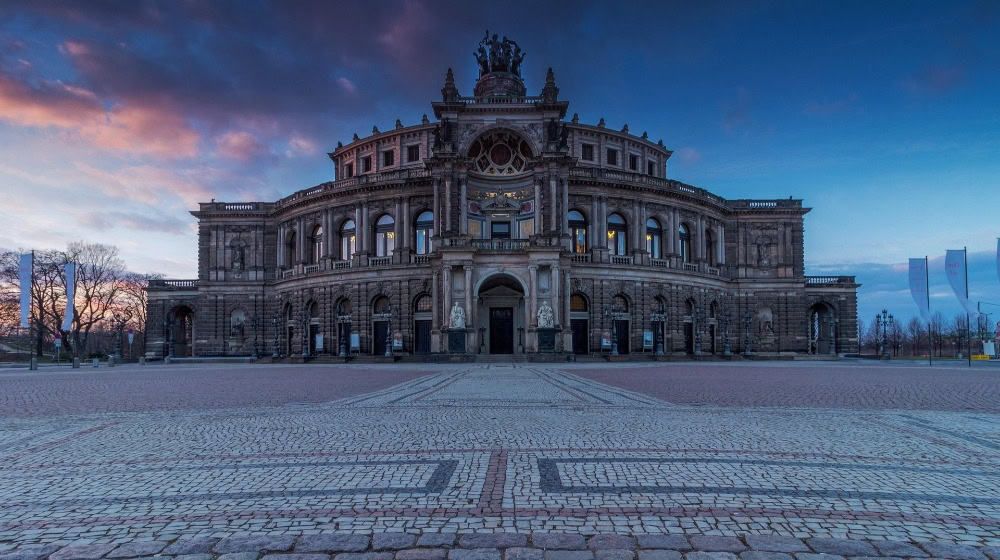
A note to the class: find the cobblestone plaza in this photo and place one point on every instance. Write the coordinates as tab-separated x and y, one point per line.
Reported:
292	455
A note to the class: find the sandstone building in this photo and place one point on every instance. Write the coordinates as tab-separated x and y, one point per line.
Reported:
501	227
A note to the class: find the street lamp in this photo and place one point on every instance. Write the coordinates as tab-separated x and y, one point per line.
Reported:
747	324
884	320
614	313
726	350
388	333
659	316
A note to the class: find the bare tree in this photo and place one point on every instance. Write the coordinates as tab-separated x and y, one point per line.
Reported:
914	330
937	331
100	275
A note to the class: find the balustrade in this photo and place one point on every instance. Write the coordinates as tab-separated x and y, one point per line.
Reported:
380	261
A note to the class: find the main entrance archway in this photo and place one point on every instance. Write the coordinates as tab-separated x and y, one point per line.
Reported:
180	333
500	315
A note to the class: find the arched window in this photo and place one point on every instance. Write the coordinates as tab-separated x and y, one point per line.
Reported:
422	304
577	303
314	310
316	244
344	307
654	239
290	249
685	236
380	305
348	244
689	308
710	247
385	238
578	231
617	235
425	231
288	312
500	153
621	304
659	304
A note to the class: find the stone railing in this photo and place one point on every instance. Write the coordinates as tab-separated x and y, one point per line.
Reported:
580	257
339	265
829	280
502	99
380	261
623	177
237	207
772	204
310	268
690	266
621	260
288	273
500	245
420	259
173	284
660	263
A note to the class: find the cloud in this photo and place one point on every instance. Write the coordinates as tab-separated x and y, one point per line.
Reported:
301	146
347	85
151	185
132	129
105	220
689	155
935	80
241	145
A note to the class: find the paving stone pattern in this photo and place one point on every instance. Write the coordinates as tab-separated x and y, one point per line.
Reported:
499	462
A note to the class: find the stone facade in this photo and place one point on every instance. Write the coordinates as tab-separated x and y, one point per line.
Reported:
501	206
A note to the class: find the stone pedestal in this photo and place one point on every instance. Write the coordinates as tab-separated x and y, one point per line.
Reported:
458	340
547	339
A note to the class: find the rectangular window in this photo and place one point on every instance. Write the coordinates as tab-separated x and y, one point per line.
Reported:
612	157
412	153
650	168
500	230
588	152
349	170
633	162
388	158
366	164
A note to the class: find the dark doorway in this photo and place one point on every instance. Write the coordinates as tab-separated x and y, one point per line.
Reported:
289	337
313	331
622	327
579	327
343	338
500	230
422	332
501	330
379	337
689	337
711	338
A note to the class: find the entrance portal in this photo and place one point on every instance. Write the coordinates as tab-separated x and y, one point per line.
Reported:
499	317
501	330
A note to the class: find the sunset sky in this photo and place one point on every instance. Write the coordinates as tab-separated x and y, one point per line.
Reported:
117	118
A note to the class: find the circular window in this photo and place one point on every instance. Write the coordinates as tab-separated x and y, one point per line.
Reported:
500	153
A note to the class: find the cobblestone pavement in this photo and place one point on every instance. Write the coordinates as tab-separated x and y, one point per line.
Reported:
868	384
537	454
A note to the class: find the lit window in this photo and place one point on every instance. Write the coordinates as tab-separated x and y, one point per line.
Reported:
425	231
385	237
617	235
578	231
654	238
347	240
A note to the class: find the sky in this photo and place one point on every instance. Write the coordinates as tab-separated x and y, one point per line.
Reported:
117	118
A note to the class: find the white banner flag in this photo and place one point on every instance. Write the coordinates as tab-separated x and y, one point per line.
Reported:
954	267
998	259
67	323
918	286
24	277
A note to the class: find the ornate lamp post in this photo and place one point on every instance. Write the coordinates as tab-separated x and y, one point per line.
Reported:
884	321
747	338
614	313
726	350
699	320
388	333
659	317
254	324
304	321
275	321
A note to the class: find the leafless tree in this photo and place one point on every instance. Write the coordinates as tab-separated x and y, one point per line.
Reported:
100	275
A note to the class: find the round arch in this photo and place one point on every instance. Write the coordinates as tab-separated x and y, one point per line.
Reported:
534	143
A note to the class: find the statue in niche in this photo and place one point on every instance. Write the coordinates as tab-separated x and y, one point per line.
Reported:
563	137
553	130
545	316
457	318
763	251
239	256
765	319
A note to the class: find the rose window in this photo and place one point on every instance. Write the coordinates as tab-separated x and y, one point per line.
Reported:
500	153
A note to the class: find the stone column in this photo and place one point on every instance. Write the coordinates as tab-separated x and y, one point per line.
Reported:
639	226
533	296
554	223
538	206
357	232
435	308
468	297
447	295
407	228
720	243
447	203
463	225
675	236
565	205
329	233
300	241
604	221
365	234
555	293
592	228
700	239
437	207
281	246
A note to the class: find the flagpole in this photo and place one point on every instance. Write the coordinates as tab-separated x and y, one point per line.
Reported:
968	327
33	360
930	329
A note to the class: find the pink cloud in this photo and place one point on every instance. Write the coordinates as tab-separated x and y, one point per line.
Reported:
150	185
104	220
299	145
130	128
689	155
347	85
240	145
